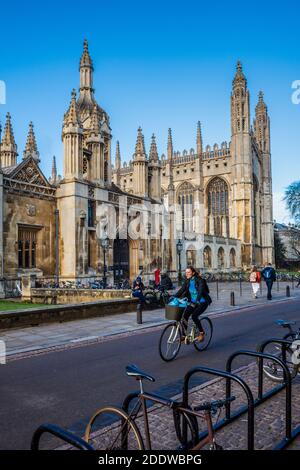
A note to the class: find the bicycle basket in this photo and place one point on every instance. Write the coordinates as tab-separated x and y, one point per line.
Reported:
174	312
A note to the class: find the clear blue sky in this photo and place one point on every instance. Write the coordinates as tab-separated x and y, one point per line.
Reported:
158	65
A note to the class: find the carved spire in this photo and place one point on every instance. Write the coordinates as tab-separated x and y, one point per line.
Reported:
199	140
71	116
239	78
153	155
85	60
86	69
31	149
170	145
262	124
8	136
8	148
54	170
140	152
95	125
170	161
261	105
240	103
118	162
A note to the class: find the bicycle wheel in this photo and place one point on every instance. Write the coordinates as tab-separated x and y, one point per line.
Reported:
110	428
169	342
272	369
207	327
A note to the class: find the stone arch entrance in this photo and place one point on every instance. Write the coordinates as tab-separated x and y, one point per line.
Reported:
121	259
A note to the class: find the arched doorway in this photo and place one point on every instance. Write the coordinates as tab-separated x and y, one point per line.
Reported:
207	257
121	259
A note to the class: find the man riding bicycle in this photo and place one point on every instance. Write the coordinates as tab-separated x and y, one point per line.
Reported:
196	290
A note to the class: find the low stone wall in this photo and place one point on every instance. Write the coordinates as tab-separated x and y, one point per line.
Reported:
62	313
74	296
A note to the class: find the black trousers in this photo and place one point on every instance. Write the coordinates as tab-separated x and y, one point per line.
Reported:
269	287
195	312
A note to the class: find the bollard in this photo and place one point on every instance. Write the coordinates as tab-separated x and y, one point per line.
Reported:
139	312
288	292
217	289
232	302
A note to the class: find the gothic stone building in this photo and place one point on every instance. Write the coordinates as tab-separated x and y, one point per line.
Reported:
50	223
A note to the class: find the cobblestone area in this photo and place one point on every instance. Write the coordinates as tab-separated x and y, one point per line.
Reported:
269	417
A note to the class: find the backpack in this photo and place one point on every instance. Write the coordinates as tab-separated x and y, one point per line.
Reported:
253	277
268	273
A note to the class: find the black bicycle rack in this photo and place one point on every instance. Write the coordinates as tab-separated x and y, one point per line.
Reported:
287	384
62	434
229	377
290	434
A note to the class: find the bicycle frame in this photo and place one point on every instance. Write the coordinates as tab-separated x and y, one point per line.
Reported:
141	405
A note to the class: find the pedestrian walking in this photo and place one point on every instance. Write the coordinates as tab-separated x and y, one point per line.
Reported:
269	275
255	279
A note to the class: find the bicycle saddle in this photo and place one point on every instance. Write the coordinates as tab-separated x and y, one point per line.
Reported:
133	371
285	323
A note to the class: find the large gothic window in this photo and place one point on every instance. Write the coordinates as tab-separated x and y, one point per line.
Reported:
185	199
232	258
256	207
217	208
27	239
221	258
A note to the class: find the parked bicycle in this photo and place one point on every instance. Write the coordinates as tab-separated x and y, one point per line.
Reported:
127	431
156	297
271	368
170	339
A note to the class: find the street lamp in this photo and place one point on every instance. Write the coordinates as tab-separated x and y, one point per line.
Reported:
104	242
179	248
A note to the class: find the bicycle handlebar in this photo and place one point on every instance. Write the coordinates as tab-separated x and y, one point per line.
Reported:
213	404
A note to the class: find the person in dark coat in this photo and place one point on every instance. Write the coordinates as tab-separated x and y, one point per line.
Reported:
269	275
196	290
165	282
137	289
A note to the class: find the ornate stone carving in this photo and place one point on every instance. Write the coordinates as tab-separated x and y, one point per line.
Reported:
31	210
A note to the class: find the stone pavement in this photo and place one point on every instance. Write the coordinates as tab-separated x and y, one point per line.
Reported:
269	416
53	336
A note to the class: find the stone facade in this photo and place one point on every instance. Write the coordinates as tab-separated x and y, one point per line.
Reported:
51	226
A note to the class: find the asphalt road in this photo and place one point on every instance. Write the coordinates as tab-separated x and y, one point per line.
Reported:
66	387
